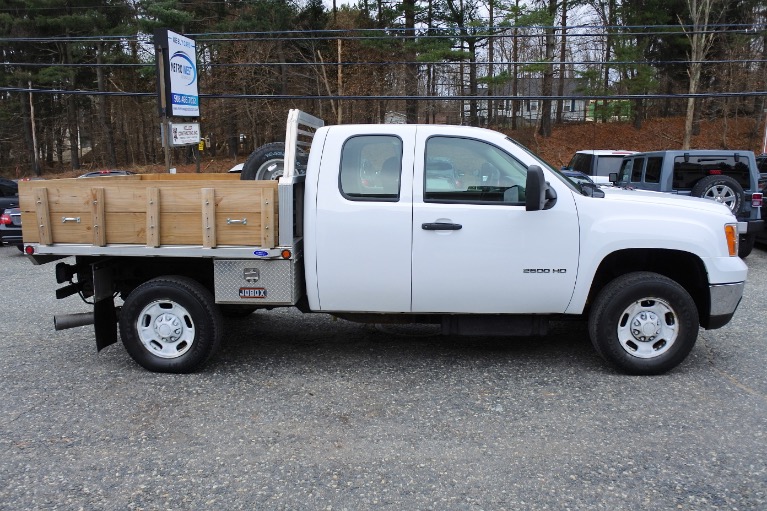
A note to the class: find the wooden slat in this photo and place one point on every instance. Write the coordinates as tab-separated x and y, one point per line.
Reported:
98	217
208	196
43	216
126	228
153	217
269	230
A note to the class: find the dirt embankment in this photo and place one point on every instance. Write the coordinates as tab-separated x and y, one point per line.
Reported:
655	135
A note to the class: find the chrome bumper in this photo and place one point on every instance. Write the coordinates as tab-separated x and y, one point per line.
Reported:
724	301
725	298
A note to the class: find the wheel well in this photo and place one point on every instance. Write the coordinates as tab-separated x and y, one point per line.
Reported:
683	267
130	272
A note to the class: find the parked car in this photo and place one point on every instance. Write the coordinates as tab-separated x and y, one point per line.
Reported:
9	194
10	228
107	173
761	236
598	164
729	177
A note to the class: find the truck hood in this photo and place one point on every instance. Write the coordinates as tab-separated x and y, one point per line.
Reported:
623	195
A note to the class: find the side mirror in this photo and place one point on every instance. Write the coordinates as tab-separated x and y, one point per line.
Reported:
538	194
613	177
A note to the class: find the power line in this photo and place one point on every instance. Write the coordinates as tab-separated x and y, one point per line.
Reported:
270	97
388	33
401	62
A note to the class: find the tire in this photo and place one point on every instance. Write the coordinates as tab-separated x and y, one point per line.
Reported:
268	162
652	302
265	163
722	189
746	245
170	325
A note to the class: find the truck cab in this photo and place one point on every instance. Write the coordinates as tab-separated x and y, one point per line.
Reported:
422	239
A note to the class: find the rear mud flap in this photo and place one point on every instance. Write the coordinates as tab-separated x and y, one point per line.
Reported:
105	324
104	312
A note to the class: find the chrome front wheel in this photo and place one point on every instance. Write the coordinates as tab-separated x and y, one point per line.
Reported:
648	328
643	323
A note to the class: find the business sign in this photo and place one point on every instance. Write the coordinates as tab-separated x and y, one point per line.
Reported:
184	134
177	74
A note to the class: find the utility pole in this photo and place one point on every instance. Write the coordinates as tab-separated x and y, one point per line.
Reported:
35	163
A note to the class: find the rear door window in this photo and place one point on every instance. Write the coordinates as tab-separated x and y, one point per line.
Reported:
652	172
371	166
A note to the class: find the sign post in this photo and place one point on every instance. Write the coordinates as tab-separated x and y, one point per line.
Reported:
177	94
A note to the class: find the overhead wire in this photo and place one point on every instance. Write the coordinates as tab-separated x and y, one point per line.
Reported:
452	97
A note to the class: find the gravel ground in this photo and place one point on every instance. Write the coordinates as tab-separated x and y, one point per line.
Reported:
304	412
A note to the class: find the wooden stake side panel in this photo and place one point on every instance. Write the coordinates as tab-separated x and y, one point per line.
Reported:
151	211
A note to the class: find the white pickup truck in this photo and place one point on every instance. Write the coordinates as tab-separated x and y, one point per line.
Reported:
456	226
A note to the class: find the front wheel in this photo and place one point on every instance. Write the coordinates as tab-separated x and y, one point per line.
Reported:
170	325
644	323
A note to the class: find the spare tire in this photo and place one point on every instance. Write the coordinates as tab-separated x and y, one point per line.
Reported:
723	189
265	163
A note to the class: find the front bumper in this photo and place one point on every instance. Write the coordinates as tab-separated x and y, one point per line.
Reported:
725	299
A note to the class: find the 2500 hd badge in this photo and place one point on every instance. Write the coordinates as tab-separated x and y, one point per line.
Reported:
544	270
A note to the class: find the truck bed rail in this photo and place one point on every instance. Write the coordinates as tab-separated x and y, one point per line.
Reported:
149	211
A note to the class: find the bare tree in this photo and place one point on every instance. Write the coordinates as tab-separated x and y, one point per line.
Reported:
547	87
700	37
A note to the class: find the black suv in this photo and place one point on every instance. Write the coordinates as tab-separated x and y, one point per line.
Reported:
729	177
9	194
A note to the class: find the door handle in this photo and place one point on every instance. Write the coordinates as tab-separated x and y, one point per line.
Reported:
440	226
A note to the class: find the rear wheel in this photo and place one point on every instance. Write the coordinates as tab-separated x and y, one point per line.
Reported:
170	325
643	323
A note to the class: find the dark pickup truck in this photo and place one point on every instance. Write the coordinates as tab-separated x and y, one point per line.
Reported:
729	177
